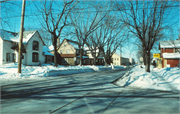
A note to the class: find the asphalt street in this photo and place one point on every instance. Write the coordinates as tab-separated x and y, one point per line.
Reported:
84	93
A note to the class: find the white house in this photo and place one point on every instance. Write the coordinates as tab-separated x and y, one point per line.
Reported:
118	60
32	50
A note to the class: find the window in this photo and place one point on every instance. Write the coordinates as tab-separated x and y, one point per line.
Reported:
13	57
8	57
118	59
35	45
84	61
67	51
177	50
60	51
35	57
114	58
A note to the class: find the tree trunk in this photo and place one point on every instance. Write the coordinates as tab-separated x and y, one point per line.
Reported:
105	59
55	50
55	57
81	57
94	60
144	58
147	67
106	64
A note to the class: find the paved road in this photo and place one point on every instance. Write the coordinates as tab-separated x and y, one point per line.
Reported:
84	93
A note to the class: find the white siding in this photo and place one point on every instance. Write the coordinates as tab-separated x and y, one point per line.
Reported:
116	59
1	49
29	50
7	49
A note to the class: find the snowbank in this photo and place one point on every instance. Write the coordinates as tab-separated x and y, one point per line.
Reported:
161	79
9	71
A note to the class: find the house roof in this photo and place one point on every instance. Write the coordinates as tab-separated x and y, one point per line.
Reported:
73	43
46	51
89	50
14	36
170	44
51	47
68	55
171	55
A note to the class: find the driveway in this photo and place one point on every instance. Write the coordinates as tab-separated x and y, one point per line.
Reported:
84	93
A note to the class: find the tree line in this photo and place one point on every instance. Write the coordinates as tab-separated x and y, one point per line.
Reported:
106	25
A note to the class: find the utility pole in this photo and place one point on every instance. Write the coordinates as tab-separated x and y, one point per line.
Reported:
21	37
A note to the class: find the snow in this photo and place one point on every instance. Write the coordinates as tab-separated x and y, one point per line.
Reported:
9	71
46	51
170	44
167	79
13	36
171	55
51	47
161	79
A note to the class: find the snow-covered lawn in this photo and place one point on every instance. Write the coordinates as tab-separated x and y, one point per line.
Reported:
9	71
162	79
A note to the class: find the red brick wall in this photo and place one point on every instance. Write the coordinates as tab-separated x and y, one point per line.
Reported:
173	62
167	50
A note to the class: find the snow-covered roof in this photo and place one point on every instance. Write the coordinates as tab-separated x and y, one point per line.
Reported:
46	51
171	55
89	50
170	44
14	36
51	47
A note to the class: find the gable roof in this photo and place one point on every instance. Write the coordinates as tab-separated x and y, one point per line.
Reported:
71	42
169	44
14	36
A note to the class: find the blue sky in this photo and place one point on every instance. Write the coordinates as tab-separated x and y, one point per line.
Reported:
12	15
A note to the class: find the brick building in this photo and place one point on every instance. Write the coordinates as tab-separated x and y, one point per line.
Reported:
170	53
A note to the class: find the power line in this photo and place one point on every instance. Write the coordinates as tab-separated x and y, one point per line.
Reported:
30	15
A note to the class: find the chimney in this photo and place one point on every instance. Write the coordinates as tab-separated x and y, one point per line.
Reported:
179	36
58	41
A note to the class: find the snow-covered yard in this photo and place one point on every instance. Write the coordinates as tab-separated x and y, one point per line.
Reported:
9	71
167	79
161	79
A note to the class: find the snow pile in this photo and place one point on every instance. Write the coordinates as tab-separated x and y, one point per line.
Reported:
9	71
171	75
156	79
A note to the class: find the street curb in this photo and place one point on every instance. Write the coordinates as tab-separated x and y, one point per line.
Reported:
115	81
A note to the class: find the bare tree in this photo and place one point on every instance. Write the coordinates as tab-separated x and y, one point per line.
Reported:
107	38
9	10
146	20
55	16
86	22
